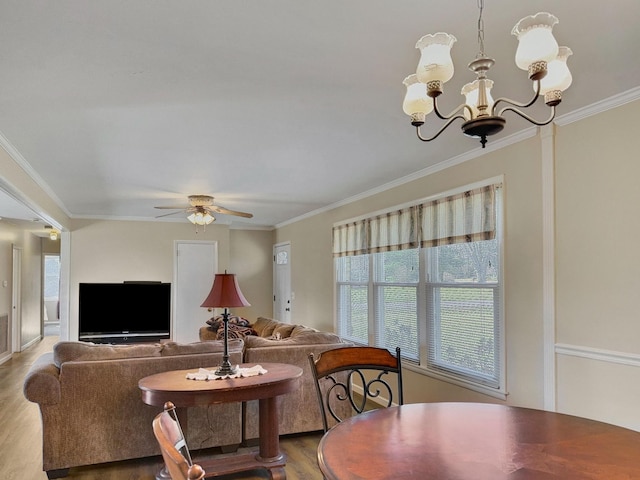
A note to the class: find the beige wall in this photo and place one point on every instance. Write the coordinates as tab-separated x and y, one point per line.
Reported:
312	271
114	251
598	266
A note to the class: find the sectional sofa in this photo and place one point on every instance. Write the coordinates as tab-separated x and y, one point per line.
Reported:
91	407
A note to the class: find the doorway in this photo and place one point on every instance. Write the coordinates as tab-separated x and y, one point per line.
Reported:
51	294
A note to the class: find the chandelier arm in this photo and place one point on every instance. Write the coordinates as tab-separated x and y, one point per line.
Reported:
528	118
518	104
454	112
451	120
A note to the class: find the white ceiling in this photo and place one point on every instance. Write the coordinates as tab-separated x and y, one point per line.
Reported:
275	107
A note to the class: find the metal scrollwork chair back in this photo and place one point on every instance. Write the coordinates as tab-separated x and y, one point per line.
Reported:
173	446
369	369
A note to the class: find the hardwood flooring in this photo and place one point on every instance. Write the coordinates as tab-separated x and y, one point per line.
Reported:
21	438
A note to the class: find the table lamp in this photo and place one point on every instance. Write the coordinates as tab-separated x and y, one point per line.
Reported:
225	293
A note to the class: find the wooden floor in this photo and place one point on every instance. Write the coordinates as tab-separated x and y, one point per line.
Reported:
21	437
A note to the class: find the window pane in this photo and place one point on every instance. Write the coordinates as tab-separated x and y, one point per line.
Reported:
462	316
397	316
353	269
398	267
464	333
51	276
353	313
466	262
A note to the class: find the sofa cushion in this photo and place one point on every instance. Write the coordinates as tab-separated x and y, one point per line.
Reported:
308	338
265	326
283	331
66	351
173	348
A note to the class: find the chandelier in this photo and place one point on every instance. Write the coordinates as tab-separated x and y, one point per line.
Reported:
538	53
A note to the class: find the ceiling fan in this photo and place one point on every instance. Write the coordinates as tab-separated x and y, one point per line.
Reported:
201	209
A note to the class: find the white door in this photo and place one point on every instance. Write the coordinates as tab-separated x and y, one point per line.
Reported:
195	267
16	300
282	294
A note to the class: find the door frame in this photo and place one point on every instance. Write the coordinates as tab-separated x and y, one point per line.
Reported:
282	310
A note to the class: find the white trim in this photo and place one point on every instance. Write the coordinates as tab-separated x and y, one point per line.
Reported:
17	157
548	266
492	392
599	354
599	107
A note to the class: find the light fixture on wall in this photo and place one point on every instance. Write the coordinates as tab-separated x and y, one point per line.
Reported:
537	52
225	293
53	233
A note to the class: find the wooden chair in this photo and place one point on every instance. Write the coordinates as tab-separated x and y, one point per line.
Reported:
338	371
173	445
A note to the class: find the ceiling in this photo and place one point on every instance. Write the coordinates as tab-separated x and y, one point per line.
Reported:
275	107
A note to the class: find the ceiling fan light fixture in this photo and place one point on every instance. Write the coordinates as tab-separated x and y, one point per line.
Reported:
201	218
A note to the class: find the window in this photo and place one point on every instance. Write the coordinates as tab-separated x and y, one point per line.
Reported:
439	301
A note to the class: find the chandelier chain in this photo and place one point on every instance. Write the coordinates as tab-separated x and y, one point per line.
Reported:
480	29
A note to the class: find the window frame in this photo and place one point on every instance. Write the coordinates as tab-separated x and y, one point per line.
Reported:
473	381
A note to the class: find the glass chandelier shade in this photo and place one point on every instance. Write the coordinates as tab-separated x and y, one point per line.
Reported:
558	76
416	103
471	92
535	39
201	218
435	58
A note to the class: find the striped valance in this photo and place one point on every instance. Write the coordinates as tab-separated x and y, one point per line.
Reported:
465	217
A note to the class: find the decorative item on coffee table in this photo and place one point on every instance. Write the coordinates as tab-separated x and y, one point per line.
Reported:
225	293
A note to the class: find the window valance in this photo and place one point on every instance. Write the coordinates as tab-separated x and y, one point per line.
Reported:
468	216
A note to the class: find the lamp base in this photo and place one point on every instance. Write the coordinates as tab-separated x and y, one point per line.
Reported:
226	369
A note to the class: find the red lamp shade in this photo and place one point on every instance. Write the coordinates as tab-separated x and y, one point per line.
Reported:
225	293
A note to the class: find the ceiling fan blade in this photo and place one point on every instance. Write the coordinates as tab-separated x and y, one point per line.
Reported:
226	211
176	207
168	214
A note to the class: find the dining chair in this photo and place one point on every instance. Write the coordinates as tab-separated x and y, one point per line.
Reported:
173	446
357	376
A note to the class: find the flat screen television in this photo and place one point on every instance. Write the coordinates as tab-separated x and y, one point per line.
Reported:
128	311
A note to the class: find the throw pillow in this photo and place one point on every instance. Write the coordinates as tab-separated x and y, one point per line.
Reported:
235	331
216	322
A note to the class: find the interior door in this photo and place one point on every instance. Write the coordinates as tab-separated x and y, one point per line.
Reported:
16	300
282	294
195	267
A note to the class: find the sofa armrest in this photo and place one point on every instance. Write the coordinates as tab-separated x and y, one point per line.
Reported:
42	383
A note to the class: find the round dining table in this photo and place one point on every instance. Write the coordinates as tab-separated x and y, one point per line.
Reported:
477	441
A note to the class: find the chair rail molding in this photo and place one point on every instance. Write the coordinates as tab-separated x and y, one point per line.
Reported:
599	354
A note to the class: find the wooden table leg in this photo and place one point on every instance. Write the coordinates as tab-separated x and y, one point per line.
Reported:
269	431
